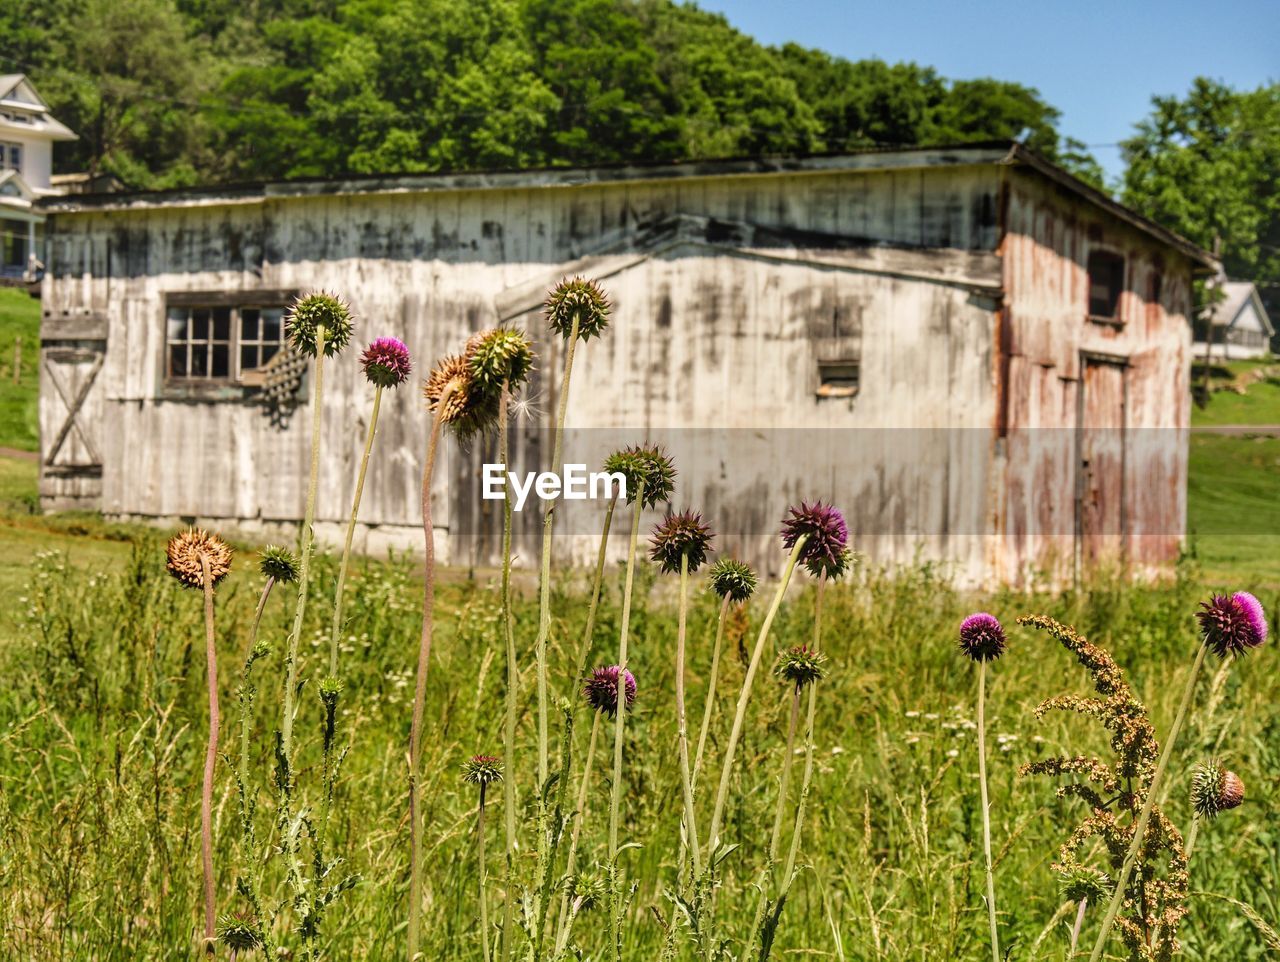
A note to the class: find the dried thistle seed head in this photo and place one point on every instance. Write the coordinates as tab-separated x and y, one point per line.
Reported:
733	579
1214	789
1080	882
386	362
309	313
497	355
580	298
982	637
461	405
801	665
601	690
586	889
482	770
647	463
1232	624
183	557
239	932
278	563
825	534
679	536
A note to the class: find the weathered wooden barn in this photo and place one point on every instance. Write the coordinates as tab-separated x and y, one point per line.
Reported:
980	358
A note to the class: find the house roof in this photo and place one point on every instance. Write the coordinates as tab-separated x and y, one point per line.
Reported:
1238	295
1006	153
19	95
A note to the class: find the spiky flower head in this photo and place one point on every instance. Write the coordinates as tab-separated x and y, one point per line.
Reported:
1214	789
309	313
648	463
1232	624
679	536
453	395
386	362
331	690
278	563
601	690
183	557
259	650
825	534
482	770
801	665
239	932
821	567
733	579
982	637
497	355
580	298
587	890
1080	882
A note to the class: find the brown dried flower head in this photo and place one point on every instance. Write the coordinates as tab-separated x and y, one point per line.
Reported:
466	410
183	557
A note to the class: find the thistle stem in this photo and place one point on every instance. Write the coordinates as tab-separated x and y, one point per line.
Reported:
484	911
544	581
735	733
420	688
580	815
336	630
1140	828
1191	838
709	707
210	760
986	809
304	564
775	837
615	795
794	853
584	648
686	780
513	681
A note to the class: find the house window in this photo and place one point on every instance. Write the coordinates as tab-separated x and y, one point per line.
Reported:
837	378
222	340
1106	281
10	156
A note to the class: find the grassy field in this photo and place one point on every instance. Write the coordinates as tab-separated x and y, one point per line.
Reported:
19	319
102	724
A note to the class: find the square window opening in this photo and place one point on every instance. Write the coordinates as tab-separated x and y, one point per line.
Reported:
838	378
222	343
1106	281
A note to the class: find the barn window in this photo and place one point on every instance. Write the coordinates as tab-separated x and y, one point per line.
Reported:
228	339
1106	281
838	378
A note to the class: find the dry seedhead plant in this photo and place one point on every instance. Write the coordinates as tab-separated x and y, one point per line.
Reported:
1156	894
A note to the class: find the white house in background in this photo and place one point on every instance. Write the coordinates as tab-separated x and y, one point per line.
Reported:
27	133
1240	326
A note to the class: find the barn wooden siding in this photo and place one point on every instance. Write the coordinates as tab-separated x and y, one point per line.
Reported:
730	284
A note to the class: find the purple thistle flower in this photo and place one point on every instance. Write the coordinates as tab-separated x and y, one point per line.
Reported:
1232	624
827	534
601	690
982	637
680	535
386	362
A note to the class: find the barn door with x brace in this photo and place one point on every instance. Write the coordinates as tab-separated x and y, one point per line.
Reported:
71	358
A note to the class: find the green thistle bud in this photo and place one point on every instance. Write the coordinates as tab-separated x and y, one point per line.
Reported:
239	932
1080	883
579	298
482	770
733	579
331	690
1214	790
312	311
647	463
501	354
680	536
587	890
801	666
278	563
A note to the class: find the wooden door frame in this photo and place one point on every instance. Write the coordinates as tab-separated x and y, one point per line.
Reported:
1123	362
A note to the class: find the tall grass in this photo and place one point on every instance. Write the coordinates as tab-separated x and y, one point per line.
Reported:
103	718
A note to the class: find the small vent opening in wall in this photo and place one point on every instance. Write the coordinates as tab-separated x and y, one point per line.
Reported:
837	378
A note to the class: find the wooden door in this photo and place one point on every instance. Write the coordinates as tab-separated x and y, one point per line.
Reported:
71	415
1101	442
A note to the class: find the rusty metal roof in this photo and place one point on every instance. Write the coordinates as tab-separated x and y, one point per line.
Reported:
1003	152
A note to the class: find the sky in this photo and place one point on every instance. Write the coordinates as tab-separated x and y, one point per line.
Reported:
1098	63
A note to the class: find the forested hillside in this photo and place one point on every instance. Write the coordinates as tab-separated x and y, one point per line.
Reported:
173	92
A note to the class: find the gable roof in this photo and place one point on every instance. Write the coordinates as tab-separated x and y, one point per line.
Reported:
1003	153
1238	296
19	95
